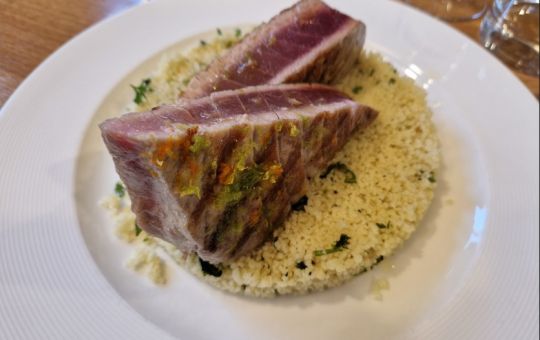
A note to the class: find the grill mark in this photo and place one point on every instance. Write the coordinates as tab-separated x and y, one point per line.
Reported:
327	146
228	215
243	239
278	190
281	35
224	156
265	154
269	151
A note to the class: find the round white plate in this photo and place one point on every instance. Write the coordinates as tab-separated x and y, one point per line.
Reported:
470	272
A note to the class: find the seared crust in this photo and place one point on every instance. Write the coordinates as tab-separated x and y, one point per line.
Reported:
218	183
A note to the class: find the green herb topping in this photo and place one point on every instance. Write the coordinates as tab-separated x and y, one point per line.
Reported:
209	269
138	230
350	176
421	174
219	31
300	204
119	190
340	244
357	89
301	265
392	81
244	181
238	32
141	90
203	43
199	143
247	179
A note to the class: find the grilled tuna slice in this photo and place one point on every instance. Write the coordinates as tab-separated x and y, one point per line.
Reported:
217	175
309	42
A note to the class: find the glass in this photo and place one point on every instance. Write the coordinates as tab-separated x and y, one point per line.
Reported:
452	10
510	31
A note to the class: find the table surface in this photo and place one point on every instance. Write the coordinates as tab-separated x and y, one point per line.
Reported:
30	30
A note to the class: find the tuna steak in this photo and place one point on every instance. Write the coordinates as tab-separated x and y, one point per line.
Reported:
217	175
309	42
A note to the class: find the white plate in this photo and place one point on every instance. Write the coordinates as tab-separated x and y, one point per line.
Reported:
470	272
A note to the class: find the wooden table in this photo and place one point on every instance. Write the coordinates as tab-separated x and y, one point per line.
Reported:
30	30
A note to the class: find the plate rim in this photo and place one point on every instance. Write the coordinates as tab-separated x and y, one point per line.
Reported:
7	112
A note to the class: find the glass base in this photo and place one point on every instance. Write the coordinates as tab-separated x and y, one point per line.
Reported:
452	10
513	38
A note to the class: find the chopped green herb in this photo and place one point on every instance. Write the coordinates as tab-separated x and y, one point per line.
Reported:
209	269
228	44
301	265
379	259
119	190
431	177
238	32
357	89
137	230
350	176
392	81
372	72
244	181
300	204
199	143
247	178
219	31
383	226
203	43
141	90
191	190
340	244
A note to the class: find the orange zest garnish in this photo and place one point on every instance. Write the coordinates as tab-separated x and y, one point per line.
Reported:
254	217
225	174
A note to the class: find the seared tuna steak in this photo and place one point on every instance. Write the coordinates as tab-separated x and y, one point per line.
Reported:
217	175
309	42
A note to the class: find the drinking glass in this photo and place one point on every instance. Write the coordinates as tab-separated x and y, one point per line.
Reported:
452	10
510	30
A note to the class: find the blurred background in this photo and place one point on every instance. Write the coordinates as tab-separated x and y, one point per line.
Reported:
30	30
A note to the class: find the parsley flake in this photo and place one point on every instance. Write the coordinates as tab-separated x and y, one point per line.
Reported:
141	90
237	33
383	226
138	230
357	89
119	189
219	31
340	244
350	176
300	204
301	265
209	269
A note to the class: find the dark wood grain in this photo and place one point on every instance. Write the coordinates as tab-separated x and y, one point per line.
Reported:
30	30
